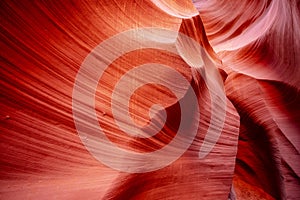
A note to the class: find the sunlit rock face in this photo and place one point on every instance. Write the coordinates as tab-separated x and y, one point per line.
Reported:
152	99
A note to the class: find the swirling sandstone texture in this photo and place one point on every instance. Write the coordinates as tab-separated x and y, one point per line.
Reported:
246	80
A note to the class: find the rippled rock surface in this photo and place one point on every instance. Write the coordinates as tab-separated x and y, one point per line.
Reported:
150	99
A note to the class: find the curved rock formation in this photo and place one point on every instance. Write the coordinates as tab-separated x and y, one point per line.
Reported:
221	93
